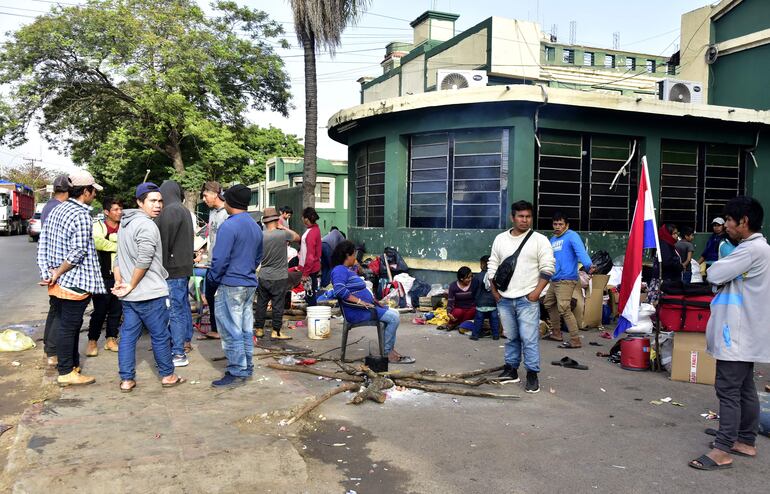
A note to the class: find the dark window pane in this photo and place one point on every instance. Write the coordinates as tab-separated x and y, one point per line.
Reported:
422	176
421	199
476	161
476	197
477	186
428	211
432	150
429	187
475	173
429	163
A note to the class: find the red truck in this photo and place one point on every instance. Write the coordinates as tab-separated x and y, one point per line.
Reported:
17	205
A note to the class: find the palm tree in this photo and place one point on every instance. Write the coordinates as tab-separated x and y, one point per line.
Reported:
319	25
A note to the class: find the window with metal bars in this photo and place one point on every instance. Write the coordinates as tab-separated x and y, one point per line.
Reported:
697	180
574	174
458	179
370	184
588	58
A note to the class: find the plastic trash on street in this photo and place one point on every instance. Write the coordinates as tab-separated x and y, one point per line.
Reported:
12	340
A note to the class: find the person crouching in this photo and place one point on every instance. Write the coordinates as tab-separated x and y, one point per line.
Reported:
233	272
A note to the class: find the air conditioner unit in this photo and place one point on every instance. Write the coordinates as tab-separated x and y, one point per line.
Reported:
681	91
459	79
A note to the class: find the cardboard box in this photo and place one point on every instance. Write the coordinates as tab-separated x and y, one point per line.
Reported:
690	362
592	317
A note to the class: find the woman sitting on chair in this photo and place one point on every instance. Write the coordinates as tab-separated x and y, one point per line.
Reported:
357	302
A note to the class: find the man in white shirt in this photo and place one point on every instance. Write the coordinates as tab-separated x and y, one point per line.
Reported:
518	301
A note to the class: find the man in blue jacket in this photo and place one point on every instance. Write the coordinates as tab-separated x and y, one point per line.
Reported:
233	272
567	249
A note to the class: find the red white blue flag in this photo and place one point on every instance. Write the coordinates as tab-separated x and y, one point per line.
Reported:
644	235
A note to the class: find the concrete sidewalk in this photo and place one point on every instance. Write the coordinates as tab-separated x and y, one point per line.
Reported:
586	431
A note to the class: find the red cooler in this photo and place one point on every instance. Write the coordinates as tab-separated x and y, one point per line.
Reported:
635	353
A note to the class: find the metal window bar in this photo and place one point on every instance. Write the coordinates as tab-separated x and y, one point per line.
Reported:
722	178
609	209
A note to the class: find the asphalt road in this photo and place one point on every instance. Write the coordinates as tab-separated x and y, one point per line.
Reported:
21	299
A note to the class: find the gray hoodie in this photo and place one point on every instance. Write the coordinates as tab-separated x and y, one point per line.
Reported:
139	246
738	327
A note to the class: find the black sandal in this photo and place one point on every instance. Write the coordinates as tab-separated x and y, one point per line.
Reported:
706	463
569	364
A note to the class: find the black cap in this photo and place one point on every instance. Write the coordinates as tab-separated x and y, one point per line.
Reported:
62	183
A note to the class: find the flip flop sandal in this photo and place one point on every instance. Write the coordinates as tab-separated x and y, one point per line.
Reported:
569	364
569	346
550	337
179	381
733	451
129	388
710	431
403	359
706	463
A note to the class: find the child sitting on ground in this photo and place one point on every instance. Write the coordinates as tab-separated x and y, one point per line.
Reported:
486	307
461	303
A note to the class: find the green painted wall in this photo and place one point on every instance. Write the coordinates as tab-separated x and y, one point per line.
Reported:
469	245
747	17
741	79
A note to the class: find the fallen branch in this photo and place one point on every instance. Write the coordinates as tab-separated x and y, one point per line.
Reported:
452	391
417	376
339	347
320	399
477	372
315	372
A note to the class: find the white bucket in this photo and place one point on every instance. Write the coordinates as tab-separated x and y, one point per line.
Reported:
319	322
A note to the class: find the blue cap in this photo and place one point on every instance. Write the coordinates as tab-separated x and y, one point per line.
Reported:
146	187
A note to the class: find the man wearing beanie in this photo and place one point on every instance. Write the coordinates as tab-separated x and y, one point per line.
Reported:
140	283
274	273
177	239
234	262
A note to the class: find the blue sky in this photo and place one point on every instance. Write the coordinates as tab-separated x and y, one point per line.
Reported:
650	26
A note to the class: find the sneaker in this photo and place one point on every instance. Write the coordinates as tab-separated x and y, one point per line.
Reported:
509	375
181	361
279	336
495	338
228	380
533	385
474	338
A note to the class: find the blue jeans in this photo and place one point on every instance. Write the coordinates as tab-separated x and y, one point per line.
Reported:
478	322
235	320
180	315
391	319
687	277
521	323
326	265
154	315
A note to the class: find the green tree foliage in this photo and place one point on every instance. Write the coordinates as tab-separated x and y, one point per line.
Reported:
124	86
319	25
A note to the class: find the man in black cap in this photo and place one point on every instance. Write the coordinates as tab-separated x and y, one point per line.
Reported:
61	192
273	273
233	272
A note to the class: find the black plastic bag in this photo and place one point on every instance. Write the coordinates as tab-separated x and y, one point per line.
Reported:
602	262
394	259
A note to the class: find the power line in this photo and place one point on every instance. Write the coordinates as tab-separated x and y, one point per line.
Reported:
18	15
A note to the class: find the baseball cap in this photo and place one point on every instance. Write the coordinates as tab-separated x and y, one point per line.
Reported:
146	187
718	221
62	183
82	178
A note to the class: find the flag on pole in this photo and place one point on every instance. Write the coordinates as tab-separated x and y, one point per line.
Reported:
644	235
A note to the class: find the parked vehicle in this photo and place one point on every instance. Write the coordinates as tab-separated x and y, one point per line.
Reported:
17	205
34	225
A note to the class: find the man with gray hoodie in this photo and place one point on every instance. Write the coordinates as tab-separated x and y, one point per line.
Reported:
737	334
140	283
178	247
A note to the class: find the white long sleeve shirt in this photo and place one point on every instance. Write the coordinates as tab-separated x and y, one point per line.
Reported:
535	261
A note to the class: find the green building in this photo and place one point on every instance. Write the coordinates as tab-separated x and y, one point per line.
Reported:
331	197
434	173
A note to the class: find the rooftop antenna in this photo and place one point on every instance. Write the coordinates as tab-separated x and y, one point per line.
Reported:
572	31
616	40
554	33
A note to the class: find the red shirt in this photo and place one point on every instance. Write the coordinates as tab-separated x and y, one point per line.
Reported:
111	230
310	251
